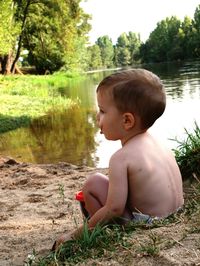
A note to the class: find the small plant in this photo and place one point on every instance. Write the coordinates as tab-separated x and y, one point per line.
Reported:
61	192
152	247
188	153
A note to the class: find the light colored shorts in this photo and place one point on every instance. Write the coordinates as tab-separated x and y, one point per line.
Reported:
140	217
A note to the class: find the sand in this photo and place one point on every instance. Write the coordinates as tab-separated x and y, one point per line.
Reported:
37	205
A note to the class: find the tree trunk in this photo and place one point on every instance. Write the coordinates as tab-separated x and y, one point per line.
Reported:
6	62
21	36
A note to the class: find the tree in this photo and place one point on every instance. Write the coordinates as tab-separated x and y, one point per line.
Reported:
186	34
21	16
174	39
127	49
51	31
164	43
107	50
196	33
94	57
123	55
55	32
134	46
8	33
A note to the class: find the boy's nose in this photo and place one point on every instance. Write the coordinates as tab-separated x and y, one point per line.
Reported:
98	119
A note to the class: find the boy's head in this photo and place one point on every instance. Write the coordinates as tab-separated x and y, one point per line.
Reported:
136	91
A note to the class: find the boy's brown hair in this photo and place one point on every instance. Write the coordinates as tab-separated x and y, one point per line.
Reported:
137	91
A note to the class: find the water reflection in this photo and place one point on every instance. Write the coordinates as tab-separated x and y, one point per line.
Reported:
72	136
56	137
179	78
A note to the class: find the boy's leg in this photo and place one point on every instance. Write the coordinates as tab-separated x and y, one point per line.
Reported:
95	192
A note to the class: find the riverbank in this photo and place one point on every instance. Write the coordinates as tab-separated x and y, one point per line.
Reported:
26	97
37	205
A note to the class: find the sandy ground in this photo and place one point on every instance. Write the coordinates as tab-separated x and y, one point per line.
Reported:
37	205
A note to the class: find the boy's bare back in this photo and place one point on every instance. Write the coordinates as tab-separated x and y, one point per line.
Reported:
154	179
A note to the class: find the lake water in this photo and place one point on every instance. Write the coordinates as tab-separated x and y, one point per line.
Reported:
73	136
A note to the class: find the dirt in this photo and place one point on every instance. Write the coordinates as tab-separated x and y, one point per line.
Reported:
38	204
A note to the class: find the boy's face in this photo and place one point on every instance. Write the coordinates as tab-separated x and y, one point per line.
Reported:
109	119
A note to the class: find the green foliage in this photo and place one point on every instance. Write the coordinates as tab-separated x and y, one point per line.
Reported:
134	46
163	43
188	153
94	57
127	49
9	29
55	35
122	52
107	50
187	36
195	46
51	31
55	31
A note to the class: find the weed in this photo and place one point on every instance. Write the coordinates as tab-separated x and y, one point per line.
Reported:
61	192
152	247
188	153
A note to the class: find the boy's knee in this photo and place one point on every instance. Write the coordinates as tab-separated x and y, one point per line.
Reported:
93	181
90	181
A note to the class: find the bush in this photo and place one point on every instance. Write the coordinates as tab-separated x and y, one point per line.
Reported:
188	153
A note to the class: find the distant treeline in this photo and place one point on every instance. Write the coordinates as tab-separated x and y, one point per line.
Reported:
53	36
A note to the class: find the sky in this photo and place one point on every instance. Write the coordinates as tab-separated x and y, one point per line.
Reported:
113	17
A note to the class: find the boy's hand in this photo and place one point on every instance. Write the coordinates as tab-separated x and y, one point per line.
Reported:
62	239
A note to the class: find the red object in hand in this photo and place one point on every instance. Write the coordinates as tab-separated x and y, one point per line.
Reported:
79	196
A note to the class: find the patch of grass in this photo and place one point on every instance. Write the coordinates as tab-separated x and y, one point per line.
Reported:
91	244
18	111
192	207
188	153
152	246
105	241
23	98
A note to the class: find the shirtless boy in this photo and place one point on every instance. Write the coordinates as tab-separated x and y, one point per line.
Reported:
144	180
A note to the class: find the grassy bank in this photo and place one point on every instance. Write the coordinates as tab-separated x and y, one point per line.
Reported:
188	153
23	98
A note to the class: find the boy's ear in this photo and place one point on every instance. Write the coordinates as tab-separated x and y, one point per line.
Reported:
128	121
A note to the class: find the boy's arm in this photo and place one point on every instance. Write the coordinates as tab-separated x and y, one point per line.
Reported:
117	193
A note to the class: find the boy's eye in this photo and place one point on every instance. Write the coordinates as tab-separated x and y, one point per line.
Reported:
101	111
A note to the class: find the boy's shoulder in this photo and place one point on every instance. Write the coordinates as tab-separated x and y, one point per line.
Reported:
139	149
125	154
